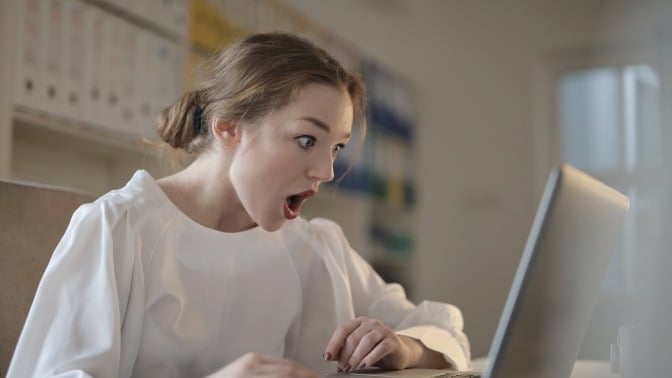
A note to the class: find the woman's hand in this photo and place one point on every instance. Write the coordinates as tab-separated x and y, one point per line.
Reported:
256	365
368	342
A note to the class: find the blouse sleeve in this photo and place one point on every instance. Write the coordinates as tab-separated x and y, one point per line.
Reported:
73	328
439	326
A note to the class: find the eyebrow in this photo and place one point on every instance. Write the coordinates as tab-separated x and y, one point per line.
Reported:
321	125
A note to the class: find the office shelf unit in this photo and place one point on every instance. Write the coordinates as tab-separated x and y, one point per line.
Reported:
73	111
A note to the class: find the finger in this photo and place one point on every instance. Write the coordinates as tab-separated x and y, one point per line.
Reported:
380	351
365	346
350	345
332	351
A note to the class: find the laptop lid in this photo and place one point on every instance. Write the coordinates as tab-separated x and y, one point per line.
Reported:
546	315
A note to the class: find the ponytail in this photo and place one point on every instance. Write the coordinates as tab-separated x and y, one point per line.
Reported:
181	124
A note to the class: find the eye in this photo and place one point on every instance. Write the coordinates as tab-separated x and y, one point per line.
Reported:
338	148
306	141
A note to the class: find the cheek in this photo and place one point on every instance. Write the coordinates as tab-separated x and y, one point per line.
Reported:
275	161
259	170
268	160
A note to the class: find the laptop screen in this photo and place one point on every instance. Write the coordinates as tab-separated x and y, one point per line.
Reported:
546	315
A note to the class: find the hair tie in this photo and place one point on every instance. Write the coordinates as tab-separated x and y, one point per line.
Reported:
198	113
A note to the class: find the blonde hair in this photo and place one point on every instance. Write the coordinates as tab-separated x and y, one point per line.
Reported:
255	76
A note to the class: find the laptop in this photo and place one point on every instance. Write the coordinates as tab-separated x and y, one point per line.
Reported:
561	271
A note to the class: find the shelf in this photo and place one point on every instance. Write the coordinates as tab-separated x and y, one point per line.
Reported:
80	136
140	21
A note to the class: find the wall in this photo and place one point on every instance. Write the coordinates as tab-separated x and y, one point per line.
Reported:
479	68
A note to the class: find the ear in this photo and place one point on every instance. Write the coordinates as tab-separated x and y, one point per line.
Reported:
227	133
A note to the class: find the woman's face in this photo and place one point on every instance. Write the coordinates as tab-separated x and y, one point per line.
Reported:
282	161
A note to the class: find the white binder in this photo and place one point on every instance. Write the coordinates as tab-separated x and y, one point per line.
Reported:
170	74
127	78
30	54
180	17
173	15
111	73
145	72
74	55
94	40
161	56
54	75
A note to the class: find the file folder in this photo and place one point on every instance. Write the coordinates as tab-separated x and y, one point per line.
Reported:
54	76
30	54
74	55
93	46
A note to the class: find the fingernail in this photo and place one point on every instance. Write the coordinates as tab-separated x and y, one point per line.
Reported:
347	368
362	365
339	370
327	356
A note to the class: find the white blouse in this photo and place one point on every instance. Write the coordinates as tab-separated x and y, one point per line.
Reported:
136	288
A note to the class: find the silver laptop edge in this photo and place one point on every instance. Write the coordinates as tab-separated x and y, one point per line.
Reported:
540	219
603	211
592	209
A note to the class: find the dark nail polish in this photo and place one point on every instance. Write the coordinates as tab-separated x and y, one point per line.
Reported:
362	365
327	356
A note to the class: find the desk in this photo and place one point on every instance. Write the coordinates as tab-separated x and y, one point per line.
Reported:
582	368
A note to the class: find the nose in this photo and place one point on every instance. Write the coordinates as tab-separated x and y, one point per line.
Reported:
322	169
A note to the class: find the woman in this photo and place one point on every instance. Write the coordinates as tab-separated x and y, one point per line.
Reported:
211	271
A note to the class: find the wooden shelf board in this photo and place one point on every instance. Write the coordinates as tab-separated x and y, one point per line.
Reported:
78	135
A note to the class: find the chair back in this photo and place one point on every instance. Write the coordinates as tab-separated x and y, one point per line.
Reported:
33	218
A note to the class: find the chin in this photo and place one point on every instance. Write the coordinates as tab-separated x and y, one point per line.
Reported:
274	226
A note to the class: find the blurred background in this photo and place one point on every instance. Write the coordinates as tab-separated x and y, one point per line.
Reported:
472	104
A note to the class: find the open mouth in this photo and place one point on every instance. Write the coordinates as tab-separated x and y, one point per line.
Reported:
294	202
